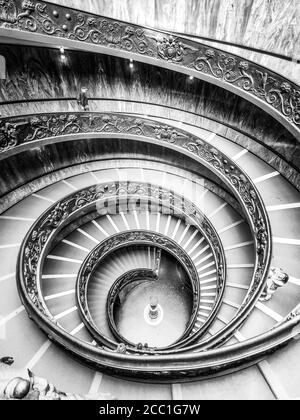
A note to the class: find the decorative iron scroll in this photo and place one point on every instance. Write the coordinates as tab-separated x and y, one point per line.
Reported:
250	78
19	130
42	230
124	239
60	124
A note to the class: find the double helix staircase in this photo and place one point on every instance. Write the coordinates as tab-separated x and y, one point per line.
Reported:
63	263
220	209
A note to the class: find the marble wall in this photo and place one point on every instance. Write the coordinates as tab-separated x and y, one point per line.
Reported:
36	73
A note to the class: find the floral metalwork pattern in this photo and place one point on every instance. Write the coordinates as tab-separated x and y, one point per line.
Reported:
48	19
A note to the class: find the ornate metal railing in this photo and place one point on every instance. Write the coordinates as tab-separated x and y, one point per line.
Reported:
136	238
179	367
56	220
161	367
70	126
260	146
38	20
269	90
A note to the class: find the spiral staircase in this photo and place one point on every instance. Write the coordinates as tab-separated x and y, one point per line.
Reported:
143	195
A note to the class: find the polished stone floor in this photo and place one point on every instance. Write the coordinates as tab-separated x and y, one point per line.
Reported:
173	297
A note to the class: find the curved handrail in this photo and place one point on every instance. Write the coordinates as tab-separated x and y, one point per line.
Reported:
134	238
284	162
180	367
36	20
279	96
140	275
11	136
227	170
64	210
